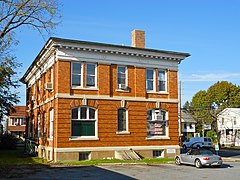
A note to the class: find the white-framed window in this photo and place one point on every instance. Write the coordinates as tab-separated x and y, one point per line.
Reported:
122	77
51	113
150	81
157	123
234	121
122	120
84	122
77	80
161	80
91	71
156	80
38	125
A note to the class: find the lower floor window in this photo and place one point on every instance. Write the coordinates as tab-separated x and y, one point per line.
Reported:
83	121
84	156
157	124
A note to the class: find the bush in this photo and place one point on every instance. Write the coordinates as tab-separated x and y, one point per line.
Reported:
212	134
8	141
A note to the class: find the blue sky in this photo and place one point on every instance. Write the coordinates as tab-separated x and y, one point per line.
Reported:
208	29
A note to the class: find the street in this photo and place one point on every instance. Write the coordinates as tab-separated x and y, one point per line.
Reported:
229	170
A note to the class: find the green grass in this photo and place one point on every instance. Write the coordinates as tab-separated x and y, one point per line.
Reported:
117	161
11	157
14	157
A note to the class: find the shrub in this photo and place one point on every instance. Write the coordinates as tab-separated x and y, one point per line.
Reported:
8	141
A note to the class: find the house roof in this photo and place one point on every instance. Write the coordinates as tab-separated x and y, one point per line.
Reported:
56	43
232	110
186	117
18	111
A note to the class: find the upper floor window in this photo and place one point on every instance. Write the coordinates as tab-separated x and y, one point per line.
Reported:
122	77
76	74
156	80
157	123
222	121
91	75
83	122
150	80
234	121
122	120
161	80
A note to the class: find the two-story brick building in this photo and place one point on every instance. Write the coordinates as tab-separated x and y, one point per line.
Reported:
16	121
90	100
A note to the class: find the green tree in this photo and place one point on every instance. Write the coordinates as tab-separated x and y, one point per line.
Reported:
41	15
206	105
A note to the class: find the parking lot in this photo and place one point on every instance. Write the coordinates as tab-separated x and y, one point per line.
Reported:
229	170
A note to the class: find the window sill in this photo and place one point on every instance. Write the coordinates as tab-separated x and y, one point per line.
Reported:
83	138
123	132
157	138
122	90
85	88
159	92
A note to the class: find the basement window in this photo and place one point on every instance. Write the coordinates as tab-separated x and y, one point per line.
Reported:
84	156
157	153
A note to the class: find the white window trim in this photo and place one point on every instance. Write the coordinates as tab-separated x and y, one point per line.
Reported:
96	125
167	128
95	78
81	80
154	80
51	124
127	130
166	83
126	77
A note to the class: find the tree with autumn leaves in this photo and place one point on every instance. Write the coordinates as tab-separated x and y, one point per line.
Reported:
206	105
41	15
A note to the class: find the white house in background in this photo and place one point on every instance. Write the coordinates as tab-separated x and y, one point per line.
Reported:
228	122
188	124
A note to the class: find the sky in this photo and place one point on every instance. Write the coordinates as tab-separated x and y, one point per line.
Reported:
209	30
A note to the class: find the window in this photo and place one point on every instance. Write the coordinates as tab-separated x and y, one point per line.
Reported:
222	121
150	80
122	120
157	123
191	126
122	77
91	75
234	121
185	126
38	125
153	76
83	122
51	123
84	156
76	74
161	80
157	153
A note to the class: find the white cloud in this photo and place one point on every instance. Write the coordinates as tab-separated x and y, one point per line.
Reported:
210	77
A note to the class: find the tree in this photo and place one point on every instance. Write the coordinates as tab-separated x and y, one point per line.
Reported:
206	105
41	15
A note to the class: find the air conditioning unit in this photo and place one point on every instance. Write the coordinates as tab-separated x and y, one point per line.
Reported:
159	117
122	86
49	86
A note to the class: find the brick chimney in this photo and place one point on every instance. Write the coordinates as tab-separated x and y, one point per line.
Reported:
138	39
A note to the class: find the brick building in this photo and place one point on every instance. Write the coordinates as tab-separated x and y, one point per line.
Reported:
90	100
16	121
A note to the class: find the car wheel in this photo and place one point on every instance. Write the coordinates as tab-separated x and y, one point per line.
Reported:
178	161
198	163
184	147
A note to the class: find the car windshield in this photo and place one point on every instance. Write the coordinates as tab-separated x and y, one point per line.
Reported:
205	151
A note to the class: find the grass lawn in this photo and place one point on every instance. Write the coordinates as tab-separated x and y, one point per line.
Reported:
15	157
11	157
